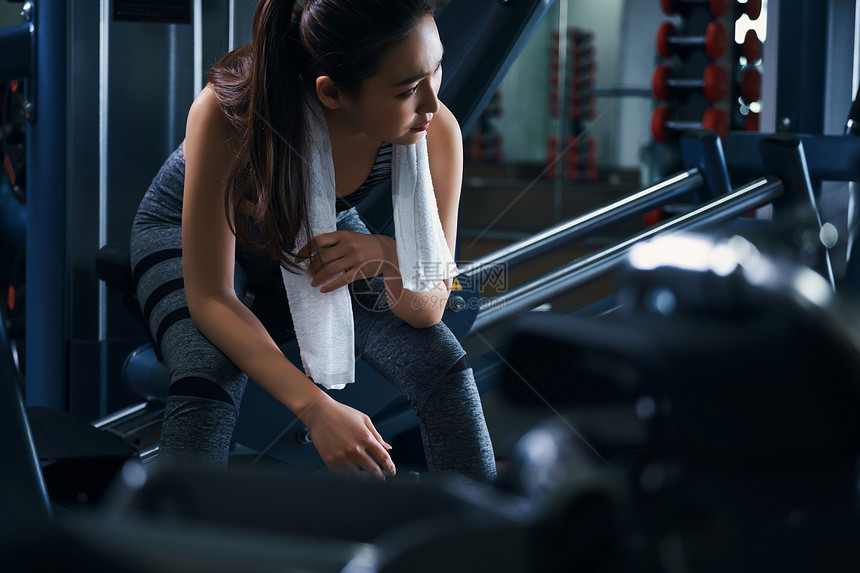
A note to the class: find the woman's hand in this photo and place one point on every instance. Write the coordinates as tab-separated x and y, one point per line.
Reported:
347	441
355	255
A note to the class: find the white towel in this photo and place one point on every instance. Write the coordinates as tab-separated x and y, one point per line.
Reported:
323	321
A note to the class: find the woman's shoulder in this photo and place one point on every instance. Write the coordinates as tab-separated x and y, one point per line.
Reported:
444	126
205	106
206	120
444	138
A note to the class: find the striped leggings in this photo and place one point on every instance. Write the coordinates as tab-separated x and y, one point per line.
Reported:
428	366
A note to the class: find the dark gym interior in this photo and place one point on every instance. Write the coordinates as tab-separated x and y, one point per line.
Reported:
657	294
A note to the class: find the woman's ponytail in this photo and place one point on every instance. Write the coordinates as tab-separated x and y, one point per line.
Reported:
272	146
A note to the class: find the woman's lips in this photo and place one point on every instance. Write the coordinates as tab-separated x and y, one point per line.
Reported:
422	127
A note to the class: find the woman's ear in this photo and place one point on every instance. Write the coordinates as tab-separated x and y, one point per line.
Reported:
328	93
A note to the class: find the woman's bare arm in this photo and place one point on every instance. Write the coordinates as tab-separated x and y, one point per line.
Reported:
359	255
445	151
343	436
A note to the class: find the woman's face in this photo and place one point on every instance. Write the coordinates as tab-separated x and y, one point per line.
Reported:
398	102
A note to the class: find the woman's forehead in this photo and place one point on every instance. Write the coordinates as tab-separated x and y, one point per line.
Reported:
416	56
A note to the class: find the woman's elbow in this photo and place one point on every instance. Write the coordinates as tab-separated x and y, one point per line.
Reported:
422	321
200	301
424	317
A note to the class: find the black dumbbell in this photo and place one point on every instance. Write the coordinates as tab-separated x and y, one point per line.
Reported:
714	84
715	41
663	124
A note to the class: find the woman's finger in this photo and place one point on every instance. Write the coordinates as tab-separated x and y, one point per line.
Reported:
371	467
337	283
317	242
334	469
322	263
330	271
376	434
352	272
381	458
306	251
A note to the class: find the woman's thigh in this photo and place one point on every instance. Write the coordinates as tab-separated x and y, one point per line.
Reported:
415	360
156	258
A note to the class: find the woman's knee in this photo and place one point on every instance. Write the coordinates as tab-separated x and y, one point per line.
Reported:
198	367
447	352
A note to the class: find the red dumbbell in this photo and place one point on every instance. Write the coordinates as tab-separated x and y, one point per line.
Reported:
580	173
493	149
582	51
719	8
576	159
752	8
582	111
551	149
585	67
751	123
576	143
750	85
477	147
714	83
651	218
663	124
715	41
577	35
751	48
579	81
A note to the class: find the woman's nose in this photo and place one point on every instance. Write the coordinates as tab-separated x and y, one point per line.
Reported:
430	101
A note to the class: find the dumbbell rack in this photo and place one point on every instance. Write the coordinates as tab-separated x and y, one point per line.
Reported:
576	158
691	51
484	142
748	60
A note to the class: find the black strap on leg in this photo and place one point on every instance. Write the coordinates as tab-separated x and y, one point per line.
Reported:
461	364
196	387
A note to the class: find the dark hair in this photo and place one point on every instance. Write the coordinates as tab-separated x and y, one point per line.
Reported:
260	88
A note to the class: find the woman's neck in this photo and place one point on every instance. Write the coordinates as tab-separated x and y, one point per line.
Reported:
343	133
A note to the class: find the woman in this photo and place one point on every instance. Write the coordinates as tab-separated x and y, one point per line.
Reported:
229	209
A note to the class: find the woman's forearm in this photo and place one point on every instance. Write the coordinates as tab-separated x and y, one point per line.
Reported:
237	332
420	309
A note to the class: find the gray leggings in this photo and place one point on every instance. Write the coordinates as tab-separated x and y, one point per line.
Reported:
428	366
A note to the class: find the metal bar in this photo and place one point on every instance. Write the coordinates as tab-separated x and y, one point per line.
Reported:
783	155
623	91
801	66
47	364
197	24
105	20
595	265
231	25
15	47
829	157
560	125
702	150
569	231
119	415
23	481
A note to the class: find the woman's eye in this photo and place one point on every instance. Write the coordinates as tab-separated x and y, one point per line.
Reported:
410	91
